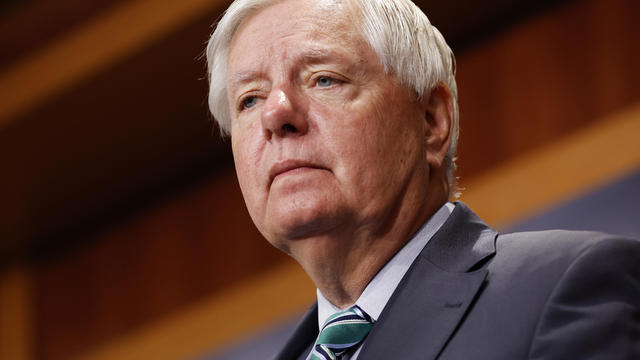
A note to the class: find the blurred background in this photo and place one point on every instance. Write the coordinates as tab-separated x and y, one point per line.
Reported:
123	234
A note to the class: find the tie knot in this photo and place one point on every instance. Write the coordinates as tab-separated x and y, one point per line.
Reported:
341	332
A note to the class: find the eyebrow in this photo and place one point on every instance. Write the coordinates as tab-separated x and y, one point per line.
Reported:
318	56
240	78
309	56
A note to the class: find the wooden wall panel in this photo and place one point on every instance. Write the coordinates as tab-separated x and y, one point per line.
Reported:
36	22
109	145
545	78
196	243
17	340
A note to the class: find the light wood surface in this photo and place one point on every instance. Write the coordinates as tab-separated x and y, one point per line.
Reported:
16	328
216	322
559	171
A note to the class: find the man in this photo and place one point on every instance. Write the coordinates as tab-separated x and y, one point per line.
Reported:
343	121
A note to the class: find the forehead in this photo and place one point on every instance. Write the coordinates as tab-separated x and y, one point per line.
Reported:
310	20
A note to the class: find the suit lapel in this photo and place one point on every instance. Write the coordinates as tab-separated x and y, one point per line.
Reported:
436	292
303	337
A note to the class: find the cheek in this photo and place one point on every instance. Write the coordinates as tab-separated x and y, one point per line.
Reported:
384	145
247	145
246	157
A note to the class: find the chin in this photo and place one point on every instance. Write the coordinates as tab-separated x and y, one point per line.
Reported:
305	223
291	213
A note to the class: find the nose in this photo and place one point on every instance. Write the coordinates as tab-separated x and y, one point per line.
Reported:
282	116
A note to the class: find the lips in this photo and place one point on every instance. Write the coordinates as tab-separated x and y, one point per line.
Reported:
290	165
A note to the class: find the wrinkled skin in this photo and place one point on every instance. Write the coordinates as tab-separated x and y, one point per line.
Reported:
333	155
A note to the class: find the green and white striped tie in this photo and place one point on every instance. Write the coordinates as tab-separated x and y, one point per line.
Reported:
342	331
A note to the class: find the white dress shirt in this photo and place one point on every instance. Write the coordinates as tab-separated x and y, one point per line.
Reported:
377	293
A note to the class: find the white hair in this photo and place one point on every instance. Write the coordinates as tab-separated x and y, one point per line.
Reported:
401	35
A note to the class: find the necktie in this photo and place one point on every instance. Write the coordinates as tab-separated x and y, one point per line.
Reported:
342	331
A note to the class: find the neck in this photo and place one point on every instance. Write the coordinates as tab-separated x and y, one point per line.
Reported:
343	263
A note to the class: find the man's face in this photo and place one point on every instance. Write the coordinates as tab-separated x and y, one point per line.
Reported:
323	140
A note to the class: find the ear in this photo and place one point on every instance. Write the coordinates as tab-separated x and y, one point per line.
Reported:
438	109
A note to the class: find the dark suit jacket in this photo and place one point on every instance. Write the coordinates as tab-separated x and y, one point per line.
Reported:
475	294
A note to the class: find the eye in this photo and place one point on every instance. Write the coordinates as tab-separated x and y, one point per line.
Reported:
248	102
325	81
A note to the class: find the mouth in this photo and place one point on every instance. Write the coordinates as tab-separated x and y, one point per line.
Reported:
290	166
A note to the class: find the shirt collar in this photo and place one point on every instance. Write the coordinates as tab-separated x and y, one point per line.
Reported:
377	293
